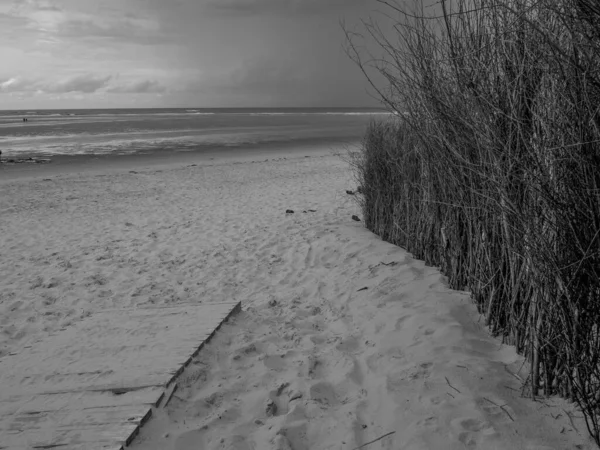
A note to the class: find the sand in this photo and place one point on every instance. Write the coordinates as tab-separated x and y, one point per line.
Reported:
343	339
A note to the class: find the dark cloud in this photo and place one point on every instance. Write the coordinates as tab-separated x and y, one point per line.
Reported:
253	7
141	87
268	74
84	83
273	81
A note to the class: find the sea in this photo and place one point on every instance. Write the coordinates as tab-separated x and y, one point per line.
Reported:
141	131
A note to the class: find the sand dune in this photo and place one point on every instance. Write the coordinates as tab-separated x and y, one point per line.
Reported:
344	339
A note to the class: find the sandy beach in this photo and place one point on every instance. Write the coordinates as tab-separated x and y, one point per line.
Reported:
344	341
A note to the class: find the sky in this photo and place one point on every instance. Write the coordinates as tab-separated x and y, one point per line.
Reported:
179	53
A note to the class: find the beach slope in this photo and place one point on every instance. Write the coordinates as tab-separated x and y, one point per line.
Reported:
344	341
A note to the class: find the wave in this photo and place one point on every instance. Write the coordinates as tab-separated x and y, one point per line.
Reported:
315	113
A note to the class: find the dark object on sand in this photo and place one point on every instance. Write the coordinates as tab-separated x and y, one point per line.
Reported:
271	409
289	211
350	192
27	160
355	218
33	160
362	289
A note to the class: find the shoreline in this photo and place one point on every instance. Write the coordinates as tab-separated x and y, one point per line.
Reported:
63	165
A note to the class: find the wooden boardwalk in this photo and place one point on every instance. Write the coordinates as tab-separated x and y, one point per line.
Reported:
93	385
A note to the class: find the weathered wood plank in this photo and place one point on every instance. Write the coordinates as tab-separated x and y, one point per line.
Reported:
117	434
78	418
86	446
93	385
81	400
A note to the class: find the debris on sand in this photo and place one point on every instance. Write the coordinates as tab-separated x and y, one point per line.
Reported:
25	160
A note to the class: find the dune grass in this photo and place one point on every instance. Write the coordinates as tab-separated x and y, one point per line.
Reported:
492	171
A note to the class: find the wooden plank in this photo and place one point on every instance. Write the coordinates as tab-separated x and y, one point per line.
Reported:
86	446
81	400
71	418
119	434
93	385
58	384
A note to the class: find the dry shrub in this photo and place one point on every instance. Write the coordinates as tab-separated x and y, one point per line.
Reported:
492	171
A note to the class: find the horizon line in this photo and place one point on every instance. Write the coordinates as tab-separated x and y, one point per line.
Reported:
194	107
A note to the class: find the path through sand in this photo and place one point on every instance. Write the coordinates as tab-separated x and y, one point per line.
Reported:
343	338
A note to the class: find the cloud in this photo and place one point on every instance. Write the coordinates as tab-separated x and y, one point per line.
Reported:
123	29
40	15
261	75
17	84
275	80
140	87
9	19
83	83
48	19
254	7
257	81
268	74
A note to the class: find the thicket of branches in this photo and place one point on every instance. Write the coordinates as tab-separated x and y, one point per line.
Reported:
492	170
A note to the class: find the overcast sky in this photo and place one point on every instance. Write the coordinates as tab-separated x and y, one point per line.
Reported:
170	53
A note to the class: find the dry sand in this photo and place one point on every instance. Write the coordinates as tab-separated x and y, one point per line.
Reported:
343	338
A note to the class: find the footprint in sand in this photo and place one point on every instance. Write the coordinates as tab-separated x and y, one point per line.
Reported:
356	374
294	436
374	361
323	393
275	362
400	382
249	350
281	443
279	400
349	345
400	322
429	401
235	442
380	360
431	424
473	432
315	367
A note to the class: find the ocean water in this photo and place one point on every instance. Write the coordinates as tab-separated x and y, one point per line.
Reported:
127	131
